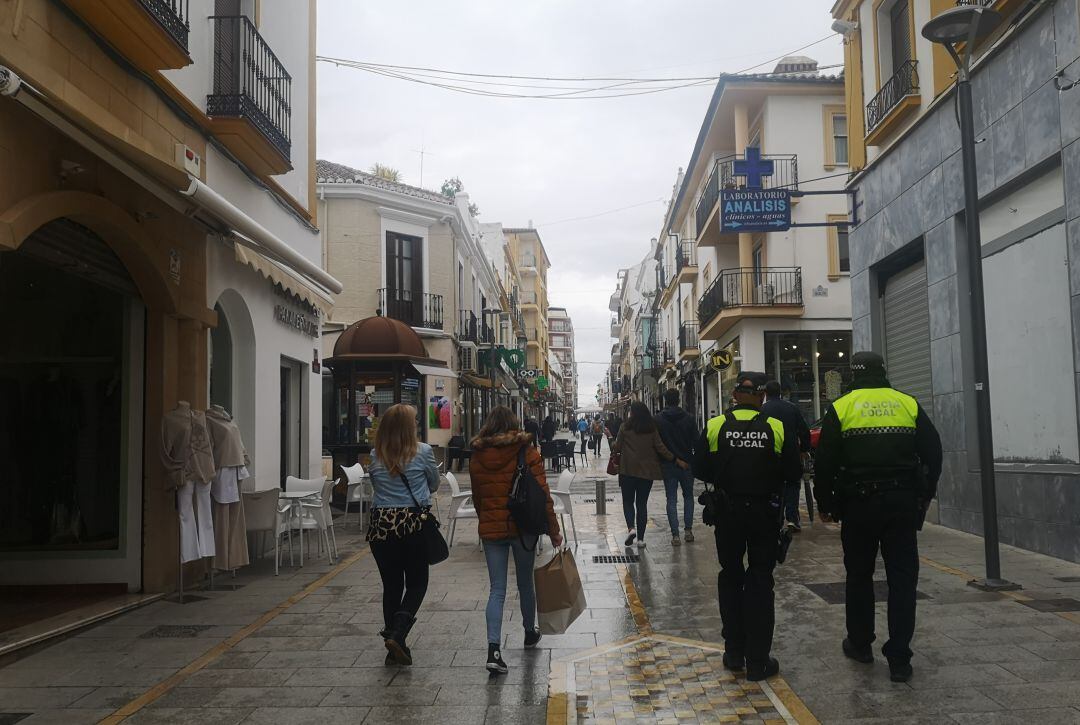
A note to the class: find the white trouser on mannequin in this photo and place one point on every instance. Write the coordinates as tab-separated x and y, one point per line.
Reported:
196	521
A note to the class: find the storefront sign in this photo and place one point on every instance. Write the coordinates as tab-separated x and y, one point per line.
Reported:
294	312
755	210
722	359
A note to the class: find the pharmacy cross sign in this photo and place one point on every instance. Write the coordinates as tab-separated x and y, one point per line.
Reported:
753	167
753	208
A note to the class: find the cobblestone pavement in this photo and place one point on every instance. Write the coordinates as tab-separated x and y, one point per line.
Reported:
303	646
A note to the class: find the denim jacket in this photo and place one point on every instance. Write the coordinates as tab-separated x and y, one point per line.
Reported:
423	475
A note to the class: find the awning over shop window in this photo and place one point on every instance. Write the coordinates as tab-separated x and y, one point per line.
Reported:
434	371
478	382
279	274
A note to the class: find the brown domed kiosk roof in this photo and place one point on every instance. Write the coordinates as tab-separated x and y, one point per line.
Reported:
380	338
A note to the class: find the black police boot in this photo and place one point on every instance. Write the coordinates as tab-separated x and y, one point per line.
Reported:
395	643
859	654
756	672
734	661
900	671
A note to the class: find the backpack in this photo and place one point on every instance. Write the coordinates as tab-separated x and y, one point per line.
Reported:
528	502
597	428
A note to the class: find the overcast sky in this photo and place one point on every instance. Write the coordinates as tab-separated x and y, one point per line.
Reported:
545	160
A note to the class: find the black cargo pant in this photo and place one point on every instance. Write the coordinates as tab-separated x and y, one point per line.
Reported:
748	527
889	520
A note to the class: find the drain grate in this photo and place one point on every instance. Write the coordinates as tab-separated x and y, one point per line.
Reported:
1065	604
175	631
616	559
593	500
834	592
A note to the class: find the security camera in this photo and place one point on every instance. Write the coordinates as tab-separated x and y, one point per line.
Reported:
844	27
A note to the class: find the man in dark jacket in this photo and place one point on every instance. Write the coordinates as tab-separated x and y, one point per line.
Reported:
679	433
532	429
789	414
878	464
548	428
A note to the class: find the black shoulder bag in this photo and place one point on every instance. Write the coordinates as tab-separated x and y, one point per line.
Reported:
434	543
527	504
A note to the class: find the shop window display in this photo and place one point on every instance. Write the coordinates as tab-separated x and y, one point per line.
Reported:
813	367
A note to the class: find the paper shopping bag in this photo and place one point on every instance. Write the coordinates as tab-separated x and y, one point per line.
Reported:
560	598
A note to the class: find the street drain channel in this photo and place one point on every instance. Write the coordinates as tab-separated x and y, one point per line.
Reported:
616	559
175	631
593	500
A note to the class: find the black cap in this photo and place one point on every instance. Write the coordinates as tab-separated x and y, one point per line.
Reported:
867	362
750	382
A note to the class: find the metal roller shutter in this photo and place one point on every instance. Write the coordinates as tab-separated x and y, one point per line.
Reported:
907	333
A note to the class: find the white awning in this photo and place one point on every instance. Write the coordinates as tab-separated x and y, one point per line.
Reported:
434	371
277	273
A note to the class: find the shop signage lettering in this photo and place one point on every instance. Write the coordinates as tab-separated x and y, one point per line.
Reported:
304	320
755	210
722	359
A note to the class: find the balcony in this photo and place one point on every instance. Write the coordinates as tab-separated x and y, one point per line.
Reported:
415	309
250	109
688	340
667	353
686	261
722	178
471	329
662	276
528	298
152	34
898	98
741	293
615	301
616	327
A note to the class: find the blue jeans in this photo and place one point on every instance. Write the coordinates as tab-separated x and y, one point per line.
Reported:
791	501
674	479
635	502
497	554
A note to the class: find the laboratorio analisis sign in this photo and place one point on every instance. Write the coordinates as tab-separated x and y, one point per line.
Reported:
755	210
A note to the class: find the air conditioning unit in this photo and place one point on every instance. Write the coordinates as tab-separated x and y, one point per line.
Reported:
764	294
467	359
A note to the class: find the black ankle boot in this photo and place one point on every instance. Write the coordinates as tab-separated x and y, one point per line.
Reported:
399	630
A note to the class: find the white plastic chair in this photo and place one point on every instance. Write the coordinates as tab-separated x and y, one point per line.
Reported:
316	513
264	514
461	506
356	487
300	519
562	503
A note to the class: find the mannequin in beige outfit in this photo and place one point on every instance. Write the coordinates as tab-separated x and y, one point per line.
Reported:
230	459
189	459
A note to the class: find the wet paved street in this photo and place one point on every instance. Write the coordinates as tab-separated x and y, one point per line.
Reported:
303	646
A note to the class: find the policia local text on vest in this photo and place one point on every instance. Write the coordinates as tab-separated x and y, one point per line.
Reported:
876	470
747	456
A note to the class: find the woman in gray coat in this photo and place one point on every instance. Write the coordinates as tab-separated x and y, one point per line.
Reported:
641	449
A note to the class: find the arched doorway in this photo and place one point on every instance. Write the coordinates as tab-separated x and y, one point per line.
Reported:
71	407
232	365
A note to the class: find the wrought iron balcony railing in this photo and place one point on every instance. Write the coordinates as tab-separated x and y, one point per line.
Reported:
472	329
785	175
688	336
751	287
173	15
903	83
662	277
685	255
250	82
416	309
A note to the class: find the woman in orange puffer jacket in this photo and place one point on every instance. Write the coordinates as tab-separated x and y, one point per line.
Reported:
491	470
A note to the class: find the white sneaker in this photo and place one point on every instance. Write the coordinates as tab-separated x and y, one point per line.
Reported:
630	538
641	543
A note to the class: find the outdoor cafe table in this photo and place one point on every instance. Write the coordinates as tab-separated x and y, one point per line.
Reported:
294	498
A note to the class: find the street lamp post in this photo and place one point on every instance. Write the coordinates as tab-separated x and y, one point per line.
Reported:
966	24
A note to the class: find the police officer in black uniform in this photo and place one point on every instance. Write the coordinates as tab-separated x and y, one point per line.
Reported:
745	454
878	463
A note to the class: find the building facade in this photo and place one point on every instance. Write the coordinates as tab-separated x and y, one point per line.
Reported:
533	265
777	302
561	339
415	256
160	246
910	285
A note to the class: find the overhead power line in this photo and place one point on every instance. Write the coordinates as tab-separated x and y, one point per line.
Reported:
501	85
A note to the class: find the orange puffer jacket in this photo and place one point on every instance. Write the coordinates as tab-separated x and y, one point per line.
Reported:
491	469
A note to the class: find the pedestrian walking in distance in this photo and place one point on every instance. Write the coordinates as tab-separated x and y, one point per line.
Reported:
403	475
747	456
491	469
679	433
583	430
532	428
641	450
548	428
596	430
794	427
877	468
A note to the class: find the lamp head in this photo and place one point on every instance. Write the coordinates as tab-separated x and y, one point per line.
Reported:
960	24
